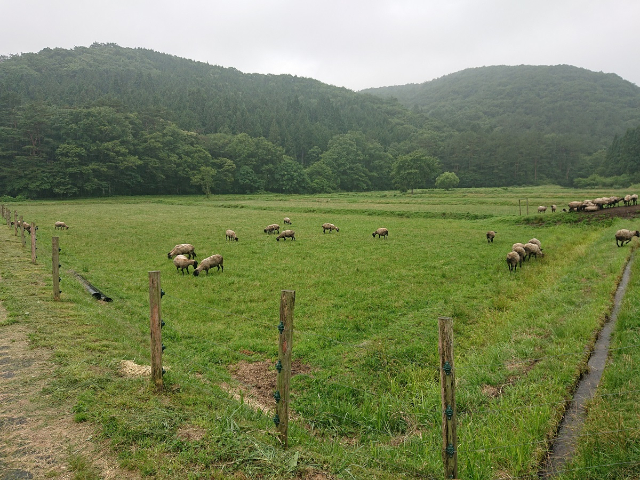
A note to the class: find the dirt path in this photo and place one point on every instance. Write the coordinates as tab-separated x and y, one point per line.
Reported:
37	440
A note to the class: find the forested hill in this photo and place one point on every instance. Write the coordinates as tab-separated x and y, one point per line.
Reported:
108	120
557	99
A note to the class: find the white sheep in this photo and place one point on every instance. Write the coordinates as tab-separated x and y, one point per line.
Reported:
542	209
520	251
513	259
274	227
231	235
287	221
182	249
625	236
59	226
532	249
634	199
330	227
521	245
286	234
381	232
182	262
209	262
490	236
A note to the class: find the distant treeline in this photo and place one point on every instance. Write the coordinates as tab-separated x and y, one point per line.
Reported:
106	120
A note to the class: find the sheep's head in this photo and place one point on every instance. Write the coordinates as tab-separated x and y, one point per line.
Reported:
373	234
278	238
337	229
236	239
169	255
636	233
196	273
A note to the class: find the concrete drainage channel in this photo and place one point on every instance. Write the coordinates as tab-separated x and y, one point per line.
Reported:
569	430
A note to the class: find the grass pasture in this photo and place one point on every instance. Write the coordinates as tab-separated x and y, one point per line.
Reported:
365	327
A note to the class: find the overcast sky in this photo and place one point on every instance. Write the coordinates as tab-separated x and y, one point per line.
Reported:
349	43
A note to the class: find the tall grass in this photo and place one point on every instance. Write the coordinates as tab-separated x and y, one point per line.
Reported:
365	323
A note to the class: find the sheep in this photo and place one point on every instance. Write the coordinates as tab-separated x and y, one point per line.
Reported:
182	249
231	235
532	249
286	234
513	259
553	208
591	208
287	221
274	227
520	251
60	226
490	236
209	262
521	245
536	241
330	227
625	236
381	232
634	199
542	209
575	206
182	262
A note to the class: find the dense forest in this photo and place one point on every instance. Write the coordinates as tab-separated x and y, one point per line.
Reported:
107	120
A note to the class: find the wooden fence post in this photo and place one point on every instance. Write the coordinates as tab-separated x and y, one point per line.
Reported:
448	383
55	261
285	342
15	223
33	243
22	230
155	296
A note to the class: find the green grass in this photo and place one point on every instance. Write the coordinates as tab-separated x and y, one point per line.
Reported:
365	322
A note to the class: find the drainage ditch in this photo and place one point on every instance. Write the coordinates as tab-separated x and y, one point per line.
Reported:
569	430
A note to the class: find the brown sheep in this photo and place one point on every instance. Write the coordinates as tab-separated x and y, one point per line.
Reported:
624	236
381	232
182	249
231	235
60	226
286	234
182	262
330	227
209	262
513	259
490	236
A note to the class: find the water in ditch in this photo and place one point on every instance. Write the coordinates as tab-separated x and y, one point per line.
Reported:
569	430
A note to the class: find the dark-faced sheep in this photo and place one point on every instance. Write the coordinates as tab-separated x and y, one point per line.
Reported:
182	249
287	221
381	232
330	227
634	199
490	236
231	235
542	209
286	234
536	241
513	259
209	262
532	249
60	226
182	262
273	228
553	208
624	236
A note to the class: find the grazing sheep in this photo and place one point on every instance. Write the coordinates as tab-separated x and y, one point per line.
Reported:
231	235
575	206
182	262
59	226
182	249
536	241
274	227
286	234
625	236
287	221
553	208
330	227
209	262
513	259
521	245
490	236
533	249
520	251
542	209
381	232
634	199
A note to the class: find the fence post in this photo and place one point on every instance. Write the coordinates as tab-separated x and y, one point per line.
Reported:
285	340
33	243
527	207
15	223
448	383
55	261
22	230
155	296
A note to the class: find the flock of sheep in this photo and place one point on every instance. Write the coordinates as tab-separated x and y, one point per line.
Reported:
184	254
595	204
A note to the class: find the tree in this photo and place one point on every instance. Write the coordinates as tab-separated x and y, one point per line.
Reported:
204	178
414	170
447	181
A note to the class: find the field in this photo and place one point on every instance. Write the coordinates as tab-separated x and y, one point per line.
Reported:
365	391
